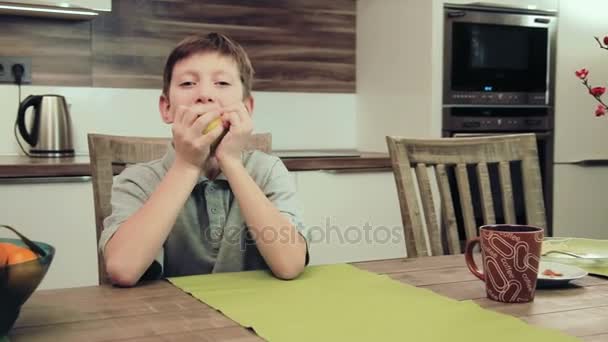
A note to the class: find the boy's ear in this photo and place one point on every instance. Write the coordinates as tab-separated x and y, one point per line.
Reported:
249	104
164	107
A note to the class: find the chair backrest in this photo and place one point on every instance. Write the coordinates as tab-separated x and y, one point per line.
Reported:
110	154
452	158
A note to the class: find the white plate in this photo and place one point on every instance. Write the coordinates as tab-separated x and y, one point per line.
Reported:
568	273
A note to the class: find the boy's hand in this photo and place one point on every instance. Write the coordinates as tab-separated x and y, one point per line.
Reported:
191	146
239	133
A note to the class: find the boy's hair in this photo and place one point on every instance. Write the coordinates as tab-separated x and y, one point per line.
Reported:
212	42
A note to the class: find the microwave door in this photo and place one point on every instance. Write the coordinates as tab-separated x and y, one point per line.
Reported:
497	58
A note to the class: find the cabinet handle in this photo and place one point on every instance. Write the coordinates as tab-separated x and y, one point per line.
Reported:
355	170
45	180
586	162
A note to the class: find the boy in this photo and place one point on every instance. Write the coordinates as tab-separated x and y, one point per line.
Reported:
201	209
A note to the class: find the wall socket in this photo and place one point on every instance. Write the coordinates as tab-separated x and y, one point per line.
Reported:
6	69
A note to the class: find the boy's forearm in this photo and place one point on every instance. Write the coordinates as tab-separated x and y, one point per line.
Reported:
278	241
134	246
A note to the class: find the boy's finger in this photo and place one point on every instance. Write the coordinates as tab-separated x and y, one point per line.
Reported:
244	117
236	107
190	116
196	110
178	114
202	108
201	122
211	136
233	118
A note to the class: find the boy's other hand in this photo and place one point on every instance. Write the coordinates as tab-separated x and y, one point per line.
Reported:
191	146
239	133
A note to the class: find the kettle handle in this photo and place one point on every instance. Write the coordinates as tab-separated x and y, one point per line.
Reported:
32	100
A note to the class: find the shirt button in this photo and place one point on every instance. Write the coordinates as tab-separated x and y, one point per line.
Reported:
214	210
211	189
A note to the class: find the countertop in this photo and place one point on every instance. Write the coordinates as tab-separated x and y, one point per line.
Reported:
22	166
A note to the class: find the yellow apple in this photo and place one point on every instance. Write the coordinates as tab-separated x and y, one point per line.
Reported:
212	125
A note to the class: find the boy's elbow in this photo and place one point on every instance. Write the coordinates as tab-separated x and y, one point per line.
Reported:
119	274
286	275
289	272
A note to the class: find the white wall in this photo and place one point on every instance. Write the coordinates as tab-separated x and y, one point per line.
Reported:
296	120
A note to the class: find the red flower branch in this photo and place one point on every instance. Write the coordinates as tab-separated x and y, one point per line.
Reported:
602	46
596	92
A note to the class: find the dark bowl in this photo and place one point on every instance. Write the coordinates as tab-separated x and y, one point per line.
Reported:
18	282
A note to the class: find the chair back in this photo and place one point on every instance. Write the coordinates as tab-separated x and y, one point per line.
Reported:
453	161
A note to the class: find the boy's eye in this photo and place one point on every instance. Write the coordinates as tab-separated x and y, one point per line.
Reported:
186	84
222	83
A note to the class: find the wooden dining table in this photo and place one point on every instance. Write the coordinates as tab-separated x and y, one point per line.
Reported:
159	311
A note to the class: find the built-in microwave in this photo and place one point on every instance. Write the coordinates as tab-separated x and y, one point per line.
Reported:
498	55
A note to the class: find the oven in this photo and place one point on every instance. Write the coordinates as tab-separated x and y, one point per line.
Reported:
498	55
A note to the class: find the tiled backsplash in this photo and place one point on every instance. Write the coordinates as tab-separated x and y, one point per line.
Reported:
296	120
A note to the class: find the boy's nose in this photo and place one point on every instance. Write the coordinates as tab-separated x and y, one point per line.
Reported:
205	99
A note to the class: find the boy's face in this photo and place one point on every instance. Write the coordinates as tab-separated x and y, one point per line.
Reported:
204	78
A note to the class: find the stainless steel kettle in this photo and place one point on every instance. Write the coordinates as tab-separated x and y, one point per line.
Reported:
50	126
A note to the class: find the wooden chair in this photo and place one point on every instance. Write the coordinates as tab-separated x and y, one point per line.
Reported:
451	156
110	154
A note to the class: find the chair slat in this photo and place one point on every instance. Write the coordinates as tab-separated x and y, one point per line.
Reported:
508	205
447	209
533	194
485	194
432	226
408	202
466	201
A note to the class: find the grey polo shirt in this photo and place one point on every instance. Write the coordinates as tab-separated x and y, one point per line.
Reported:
210	234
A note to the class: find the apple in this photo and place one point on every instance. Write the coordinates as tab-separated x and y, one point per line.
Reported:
212	125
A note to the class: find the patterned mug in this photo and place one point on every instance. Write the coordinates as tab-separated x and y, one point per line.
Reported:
510	256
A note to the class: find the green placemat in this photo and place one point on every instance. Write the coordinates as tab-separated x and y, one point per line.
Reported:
344	303
4	339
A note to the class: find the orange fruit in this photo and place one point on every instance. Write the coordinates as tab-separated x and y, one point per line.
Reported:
15	254
3	257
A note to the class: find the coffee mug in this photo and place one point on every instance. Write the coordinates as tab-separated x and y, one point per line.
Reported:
510	256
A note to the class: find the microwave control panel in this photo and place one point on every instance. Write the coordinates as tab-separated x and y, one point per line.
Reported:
507	124
496	98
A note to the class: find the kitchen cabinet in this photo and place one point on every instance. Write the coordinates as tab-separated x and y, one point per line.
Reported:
580	192
350	216
399	66
580	197
60	212
579	135
98	5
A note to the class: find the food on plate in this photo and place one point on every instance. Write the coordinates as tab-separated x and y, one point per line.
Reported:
551	273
